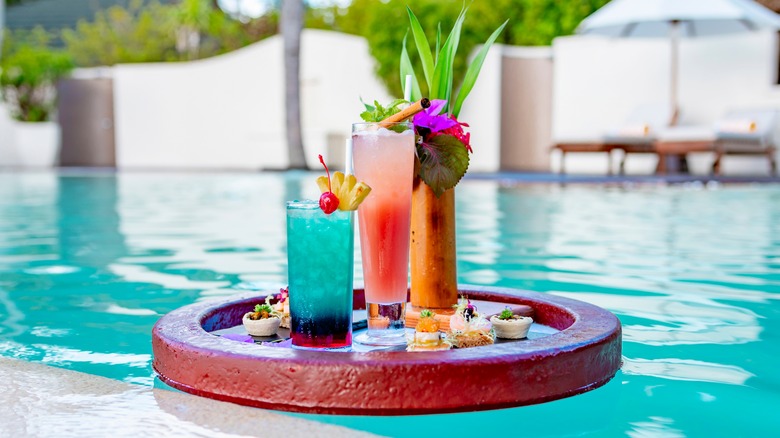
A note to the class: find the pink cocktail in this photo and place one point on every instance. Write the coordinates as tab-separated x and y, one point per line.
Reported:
384	159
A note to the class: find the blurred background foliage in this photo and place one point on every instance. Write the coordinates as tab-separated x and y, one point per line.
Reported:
148	31
28	70
384	24
153	31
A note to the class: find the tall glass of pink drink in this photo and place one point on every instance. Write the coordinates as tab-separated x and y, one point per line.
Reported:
383	158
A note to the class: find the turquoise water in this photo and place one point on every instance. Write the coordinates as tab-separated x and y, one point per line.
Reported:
88	265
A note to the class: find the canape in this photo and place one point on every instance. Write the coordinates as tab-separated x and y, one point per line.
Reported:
468	328
282	306
427	336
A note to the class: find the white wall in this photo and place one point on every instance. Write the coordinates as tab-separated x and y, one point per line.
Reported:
598	81
228	111
482	111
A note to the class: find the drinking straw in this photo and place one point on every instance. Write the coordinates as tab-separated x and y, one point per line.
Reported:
348	157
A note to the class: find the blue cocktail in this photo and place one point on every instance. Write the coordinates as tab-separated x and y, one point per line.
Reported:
320	255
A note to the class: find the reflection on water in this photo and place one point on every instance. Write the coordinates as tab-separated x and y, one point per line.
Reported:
676	369
89	263
678	321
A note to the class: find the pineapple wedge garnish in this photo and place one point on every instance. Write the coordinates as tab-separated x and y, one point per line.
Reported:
347	188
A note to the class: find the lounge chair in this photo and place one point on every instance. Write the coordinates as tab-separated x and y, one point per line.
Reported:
673	145
747	132
581	145
640	132
636	134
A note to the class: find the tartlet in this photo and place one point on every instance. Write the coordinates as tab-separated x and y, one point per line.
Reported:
264	321
510	326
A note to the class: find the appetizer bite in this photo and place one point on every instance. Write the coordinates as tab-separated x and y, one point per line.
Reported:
427	336
282	306
264	321
510	326
468	328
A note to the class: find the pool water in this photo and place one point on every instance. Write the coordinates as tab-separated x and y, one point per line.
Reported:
88	263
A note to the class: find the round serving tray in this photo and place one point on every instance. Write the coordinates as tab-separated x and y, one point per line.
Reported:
583	354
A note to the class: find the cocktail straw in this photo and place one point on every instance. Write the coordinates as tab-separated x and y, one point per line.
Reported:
348	157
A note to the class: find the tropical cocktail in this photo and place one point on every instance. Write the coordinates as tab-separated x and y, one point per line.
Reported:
320	250
383	156
320	259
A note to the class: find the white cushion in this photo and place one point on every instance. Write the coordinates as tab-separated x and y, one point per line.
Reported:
756	126
686	133
737	126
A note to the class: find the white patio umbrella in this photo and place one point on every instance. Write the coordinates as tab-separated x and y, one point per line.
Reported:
677	18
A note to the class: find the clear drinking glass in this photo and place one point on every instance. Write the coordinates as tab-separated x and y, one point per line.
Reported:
383	156
320	261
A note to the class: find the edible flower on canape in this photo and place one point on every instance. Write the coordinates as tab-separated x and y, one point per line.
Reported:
282	306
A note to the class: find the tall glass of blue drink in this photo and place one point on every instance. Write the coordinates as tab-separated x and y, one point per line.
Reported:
320	255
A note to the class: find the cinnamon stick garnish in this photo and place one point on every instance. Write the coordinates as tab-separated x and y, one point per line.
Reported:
407	112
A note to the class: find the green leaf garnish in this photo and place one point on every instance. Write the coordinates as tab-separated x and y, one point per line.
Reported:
263	307
377	112
443	162
426	314
444	71
422	47
439	67
506	314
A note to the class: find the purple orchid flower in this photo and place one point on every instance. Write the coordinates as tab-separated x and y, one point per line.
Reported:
431	118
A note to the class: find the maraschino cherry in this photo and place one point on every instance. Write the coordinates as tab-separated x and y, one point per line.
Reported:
329	202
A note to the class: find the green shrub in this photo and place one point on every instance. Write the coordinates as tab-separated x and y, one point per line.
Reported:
122	35
148	31
384	24
28	74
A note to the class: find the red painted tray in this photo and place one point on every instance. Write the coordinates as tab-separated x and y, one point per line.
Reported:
582	352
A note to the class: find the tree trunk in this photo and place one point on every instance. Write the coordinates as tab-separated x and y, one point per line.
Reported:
291	25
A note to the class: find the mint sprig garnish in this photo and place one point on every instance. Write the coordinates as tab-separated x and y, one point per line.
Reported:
377	112
443	162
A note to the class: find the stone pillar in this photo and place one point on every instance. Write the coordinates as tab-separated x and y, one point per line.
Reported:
526	108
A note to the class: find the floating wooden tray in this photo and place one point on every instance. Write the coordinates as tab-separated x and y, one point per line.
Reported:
583	353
